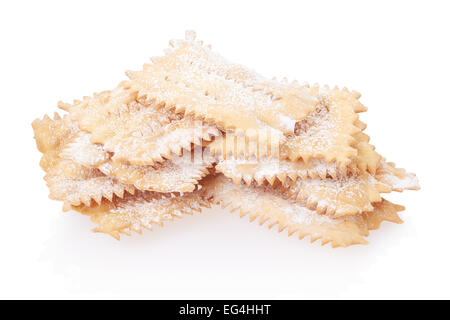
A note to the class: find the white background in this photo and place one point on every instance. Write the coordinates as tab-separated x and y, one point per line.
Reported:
396	53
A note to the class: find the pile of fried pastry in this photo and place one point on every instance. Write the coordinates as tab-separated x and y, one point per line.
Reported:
193	130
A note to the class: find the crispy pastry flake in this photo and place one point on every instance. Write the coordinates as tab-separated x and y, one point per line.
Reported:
193	79
341	197
179	174
329	131
140	211
354	194
254	169
272	169
137	131
268	205
397	179
67	180
368	159
321	186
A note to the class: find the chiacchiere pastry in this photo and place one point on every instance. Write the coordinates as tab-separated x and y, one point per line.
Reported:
193	130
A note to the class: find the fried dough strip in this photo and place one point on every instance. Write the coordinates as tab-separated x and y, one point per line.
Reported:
368	159
136	131
81	150
396	178
193	79
321	186
268	205
353	195
254	169
67	180
342	197
328	132
272	169
180	174
176	175
140	211
70	182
